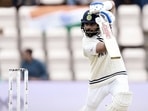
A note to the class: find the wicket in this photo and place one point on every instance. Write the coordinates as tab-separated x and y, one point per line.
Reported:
15	74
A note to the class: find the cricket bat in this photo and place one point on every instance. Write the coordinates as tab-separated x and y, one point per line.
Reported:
109	39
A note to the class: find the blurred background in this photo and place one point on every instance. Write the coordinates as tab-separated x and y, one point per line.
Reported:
51	28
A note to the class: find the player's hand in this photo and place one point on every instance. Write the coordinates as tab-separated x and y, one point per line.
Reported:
108	16
95	7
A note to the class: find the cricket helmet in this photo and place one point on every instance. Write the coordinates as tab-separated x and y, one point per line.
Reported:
89	18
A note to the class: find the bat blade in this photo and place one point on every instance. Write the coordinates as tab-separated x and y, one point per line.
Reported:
112	47
109	39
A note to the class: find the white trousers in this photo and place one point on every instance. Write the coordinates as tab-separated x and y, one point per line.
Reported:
96	95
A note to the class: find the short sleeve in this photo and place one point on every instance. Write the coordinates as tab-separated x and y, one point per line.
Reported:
89	46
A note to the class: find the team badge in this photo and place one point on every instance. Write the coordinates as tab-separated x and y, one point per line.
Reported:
89	17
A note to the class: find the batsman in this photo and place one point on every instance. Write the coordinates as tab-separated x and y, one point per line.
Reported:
107	76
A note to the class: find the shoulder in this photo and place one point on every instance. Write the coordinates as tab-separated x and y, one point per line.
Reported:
87	41
89	45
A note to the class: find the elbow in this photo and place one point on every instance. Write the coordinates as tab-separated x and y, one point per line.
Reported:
100	48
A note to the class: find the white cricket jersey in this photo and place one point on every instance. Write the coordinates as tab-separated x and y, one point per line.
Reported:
103	68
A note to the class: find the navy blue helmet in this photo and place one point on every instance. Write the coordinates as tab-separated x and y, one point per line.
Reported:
89	19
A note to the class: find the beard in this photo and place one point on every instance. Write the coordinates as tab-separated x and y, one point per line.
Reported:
91	33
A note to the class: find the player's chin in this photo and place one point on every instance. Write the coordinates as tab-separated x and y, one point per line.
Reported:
90	34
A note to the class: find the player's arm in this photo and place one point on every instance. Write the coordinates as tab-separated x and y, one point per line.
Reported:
93	47
100	47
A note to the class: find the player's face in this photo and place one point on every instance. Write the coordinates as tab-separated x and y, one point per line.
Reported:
91	29
90	26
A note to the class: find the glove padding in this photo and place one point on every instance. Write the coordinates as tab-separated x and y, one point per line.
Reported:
95	7
108	16
99	7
